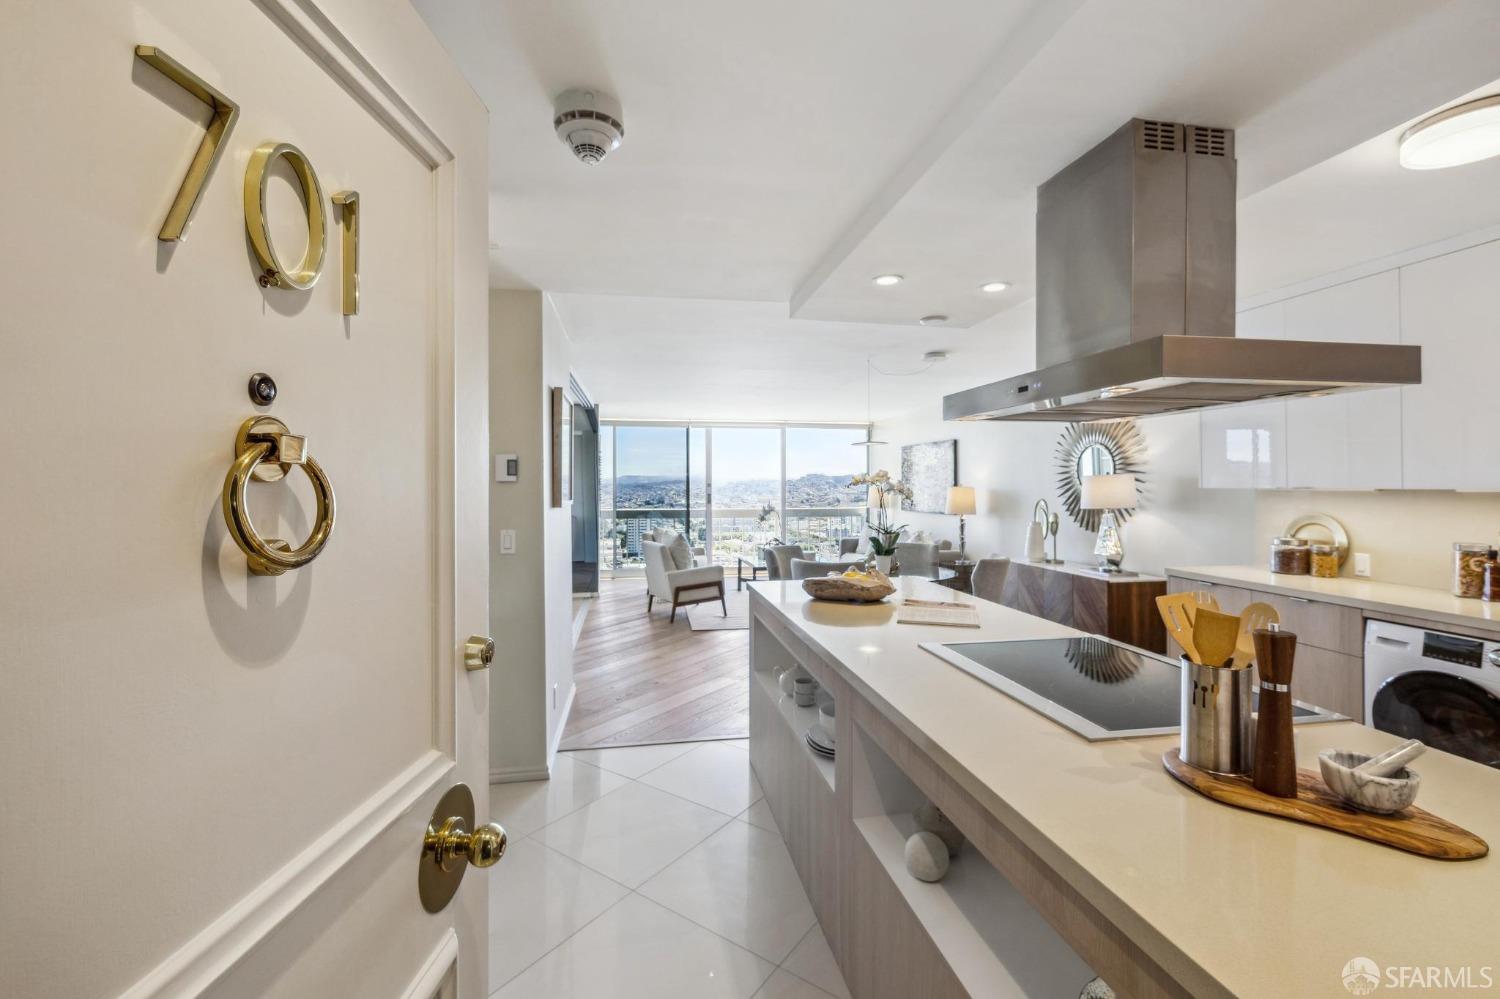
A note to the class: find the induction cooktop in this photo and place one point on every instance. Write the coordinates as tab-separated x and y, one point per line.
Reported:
1099	688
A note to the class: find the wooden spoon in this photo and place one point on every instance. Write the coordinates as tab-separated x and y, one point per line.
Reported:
1214	635
1177	611
1256	615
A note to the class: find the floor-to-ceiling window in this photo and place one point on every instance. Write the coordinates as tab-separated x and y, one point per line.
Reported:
650	486
745	476
822	508
732	488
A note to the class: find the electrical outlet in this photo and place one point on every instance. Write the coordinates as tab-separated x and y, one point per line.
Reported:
1361	563
507	542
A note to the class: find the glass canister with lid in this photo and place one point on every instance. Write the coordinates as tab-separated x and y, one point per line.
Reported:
1323	560
1468	568
1291	556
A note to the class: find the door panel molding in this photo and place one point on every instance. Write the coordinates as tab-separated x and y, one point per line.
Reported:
439	976
306	22
208	956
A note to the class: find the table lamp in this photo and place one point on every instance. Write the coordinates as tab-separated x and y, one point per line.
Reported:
960	504
1108	493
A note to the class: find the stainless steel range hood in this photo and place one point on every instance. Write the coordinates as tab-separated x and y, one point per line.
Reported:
1135	295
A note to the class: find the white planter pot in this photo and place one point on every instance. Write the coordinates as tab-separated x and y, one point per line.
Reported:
883	563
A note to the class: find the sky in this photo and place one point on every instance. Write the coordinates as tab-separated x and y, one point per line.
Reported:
739	452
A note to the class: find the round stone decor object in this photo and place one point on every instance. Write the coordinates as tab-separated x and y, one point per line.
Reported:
926	857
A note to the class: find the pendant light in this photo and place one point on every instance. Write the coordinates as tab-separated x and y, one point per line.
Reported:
869	423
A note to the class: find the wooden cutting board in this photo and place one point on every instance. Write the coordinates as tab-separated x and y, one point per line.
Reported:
1414	830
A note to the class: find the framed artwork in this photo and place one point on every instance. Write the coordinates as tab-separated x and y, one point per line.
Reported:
562	448
929	469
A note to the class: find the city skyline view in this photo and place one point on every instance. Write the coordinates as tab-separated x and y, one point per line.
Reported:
656	477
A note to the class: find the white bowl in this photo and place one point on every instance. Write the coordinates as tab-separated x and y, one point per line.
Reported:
1381	795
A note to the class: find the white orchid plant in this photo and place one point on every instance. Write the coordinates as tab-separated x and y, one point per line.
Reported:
884	533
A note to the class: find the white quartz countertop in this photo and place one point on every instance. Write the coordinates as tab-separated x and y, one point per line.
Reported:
1372	596
1230	902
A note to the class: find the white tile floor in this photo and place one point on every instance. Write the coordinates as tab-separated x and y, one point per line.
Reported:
650	871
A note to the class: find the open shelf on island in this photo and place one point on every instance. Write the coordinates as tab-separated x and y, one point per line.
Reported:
798	721
991	937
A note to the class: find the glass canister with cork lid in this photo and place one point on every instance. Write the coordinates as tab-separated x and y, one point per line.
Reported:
1468	568
1291	556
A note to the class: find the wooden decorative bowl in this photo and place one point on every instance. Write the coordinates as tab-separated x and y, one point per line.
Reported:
873	588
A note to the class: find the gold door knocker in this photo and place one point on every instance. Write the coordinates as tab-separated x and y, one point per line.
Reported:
265	450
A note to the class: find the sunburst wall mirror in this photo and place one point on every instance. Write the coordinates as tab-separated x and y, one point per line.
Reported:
1112	448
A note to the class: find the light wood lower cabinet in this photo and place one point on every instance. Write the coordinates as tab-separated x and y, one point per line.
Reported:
1002	922
1329	670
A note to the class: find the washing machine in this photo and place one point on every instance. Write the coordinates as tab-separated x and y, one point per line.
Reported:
1439	688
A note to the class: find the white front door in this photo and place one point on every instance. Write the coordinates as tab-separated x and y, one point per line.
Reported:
216	781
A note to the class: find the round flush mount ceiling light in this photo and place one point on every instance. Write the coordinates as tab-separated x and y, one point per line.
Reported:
886	280
933	320
994	287
1462	134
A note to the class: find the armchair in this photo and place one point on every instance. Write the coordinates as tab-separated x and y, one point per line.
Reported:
806	568
683	587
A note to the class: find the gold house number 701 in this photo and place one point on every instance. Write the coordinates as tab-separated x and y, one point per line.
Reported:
225	113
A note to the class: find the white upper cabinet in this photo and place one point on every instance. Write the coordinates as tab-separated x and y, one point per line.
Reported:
1243	447
1450	307
1351	440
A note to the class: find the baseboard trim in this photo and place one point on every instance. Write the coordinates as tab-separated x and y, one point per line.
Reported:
562	724
581	610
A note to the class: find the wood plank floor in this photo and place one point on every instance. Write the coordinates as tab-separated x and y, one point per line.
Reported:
644	680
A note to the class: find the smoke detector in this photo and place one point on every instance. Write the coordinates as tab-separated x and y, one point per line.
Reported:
589	121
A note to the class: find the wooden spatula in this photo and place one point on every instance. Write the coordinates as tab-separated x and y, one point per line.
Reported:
1214	636
1177	610
1256	615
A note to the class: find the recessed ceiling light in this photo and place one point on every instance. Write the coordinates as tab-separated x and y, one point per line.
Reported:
1463	134
994	287
886	280
934	320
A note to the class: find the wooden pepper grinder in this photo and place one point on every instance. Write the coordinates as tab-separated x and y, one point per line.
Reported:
1275	770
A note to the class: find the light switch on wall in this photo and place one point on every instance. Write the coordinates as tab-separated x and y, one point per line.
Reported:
507	542
1361	563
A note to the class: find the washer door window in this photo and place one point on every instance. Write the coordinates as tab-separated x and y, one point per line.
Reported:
1446	712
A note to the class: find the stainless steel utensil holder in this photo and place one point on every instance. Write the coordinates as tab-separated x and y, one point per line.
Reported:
1218	729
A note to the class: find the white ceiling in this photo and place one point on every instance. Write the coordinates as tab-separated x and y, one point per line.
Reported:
1358	206
660	358
753	131
779	154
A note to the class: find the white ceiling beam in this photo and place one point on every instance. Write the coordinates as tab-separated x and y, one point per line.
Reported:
1040	24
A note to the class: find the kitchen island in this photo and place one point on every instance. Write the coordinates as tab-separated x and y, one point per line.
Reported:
1083	858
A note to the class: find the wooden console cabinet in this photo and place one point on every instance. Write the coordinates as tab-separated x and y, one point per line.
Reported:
1116	606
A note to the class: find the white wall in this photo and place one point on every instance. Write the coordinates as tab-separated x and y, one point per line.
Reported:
1408	534
531	596
557	525
518	734
1010	465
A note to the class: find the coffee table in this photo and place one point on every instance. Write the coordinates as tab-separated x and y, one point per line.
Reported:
741	563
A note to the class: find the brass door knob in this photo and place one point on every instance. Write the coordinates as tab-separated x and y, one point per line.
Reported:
449	848
451	844
479	652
